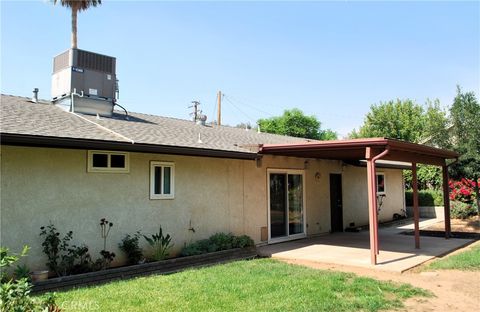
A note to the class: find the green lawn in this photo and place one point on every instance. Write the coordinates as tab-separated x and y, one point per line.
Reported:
255	285
468	261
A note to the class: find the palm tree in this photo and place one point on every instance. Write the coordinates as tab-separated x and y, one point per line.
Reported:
76	6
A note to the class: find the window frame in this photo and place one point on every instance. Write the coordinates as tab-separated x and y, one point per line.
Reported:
154	164
384	192
108	169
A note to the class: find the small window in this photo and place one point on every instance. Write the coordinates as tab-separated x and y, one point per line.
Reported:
103	161
380	183
162	180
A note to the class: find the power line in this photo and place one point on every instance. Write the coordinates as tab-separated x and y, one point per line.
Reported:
244	103
241	111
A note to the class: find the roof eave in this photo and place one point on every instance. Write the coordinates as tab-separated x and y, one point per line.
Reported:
76	143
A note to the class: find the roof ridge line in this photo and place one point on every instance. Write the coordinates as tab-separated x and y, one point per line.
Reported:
104	128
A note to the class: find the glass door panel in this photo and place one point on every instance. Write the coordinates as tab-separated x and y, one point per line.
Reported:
278	205
295	204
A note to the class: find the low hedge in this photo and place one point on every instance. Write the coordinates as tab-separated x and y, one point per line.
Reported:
425	198
217	242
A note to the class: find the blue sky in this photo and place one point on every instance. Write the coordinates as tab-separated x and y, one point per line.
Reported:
330	59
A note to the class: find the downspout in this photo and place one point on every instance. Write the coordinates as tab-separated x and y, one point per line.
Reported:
374	198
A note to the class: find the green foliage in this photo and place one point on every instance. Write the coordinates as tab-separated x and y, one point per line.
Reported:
130	246
294	123
7	259
461	210
15	293
465	114
436	126
22	271
428	177
404	120
257	285
64	259
217	242
427	198
160	244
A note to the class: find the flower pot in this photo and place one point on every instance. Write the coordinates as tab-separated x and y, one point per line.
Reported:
38	276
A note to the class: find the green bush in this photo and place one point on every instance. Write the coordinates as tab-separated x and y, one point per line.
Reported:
217	242
425	198
131	248
460	210
15	293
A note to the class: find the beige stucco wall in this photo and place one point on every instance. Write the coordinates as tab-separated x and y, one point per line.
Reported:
211	195
355	195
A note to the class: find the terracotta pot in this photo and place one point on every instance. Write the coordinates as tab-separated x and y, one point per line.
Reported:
38	276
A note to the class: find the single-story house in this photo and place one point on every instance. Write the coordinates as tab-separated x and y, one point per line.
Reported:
143	171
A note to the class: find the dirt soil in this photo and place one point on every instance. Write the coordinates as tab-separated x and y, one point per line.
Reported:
453	290
471	225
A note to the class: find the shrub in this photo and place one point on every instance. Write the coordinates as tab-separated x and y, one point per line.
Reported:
160	244
462	190
461	210
425	198
64	259
217	242
15	293
243	241
131	248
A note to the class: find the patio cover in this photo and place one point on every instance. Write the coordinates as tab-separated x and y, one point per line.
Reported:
371	150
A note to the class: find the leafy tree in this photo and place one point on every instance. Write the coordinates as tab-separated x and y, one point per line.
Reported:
77	6
436	126
465	114
404	120
294	123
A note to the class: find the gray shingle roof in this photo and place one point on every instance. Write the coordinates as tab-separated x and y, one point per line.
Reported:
22	117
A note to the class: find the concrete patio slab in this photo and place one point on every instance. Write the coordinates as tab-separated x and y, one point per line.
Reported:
397	251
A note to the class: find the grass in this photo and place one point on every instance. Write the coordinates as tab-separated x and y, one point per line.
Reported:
255	285
467	261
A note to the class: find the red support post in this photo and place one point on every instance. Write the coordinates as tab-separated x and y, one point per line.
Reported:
372	205
446	202
416	212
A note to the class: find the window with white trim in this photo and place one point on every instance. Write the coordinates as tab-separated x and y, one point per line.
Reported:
162	177
105	161
380	183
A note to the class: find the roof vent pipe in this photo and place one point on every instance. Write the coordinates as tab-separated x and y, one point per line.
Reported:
35	95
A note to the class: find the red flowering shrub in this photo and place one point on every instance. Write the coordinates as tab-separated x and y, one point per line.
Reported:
462	191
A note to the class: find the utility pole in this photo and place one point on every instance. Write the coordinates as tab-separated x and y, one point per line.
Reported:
196	112
219	108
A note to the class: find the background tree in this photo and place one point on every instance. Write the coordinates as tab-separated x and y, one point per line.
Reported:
77	6
409	121
465	115
404	120
294	123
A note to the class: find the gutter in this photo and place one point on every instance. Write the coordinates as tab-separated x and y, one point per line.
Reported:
73	143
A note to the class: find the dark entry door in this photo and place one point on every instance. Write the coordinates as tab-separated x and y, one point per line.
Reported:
336	209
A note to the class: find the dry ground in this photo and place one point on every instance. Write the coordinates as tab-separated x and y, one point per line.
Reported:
453	290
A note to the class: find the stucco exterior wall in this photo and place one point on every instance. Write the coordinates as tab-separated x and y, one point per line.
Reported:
355	196
212	195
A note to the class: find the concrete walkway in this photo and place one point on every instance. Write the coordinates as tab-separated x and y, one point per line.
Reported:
397	251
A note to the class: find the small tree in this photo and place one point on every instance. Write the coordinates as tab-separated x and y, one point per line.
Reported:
294	123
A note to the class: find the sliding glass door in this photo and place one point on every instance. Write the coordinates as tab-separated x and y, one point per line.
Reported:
286	204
